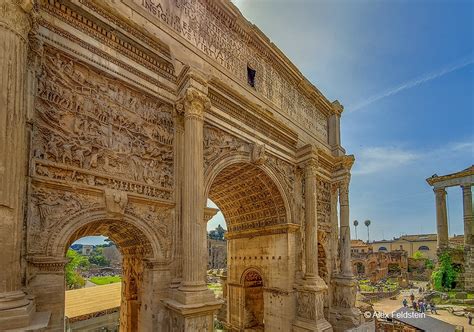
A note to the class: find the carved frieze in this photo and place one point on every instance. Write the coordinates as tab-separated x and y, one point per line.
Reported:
97	131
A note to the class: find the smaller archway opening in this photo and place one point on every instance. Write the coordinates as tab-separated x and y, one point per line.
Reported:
359	269
254	301
104	276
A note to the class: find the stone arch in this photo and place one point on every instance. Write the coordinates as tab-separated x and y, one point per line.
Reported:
359	267
242	163
96	221
252	269
136	239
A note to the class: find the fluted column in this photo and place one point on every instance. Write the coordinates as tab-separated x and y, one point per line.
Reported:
345	230
441	217
14	27
194	104
311	220
179	165
468	217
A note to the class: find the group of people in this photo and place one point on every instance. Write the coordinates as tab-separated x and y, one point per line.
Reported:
421	305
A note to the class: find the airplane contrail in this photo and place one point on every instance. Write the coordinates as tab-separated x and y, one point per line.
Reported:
413	83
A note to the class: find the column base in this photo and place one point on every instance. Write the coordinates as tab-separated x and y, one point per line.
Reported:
18	313
192	317
303	325
344	315
310	306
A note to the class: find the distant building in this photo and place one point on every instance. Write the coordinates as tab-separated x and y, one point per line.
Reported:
424	243
376	265
112	254
359	246
217	247
87	249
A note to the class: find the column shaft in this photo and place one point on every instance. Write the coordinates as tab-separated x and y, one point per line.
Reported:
441	217
14	26
345	231
468	217
311	221
193	188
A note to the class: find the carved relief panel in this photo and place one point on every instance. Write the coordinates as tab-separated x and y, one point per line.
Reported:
49	209
96	131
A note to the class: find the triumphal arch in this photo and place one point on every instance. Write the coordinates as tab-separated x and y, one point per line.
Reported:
120	118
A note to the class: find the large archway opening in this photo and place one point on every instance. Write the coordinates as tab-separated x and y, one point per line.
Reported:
99	312
253	206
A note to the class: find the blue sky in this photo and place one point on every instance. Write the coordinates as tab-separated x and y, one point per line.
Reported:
404	72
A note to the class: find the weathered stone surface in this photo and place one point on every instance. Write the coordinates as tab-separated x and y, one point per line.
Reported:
122	118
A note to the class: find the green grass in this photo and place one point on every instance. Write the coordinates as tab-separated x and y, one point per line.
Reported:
105	280
216	288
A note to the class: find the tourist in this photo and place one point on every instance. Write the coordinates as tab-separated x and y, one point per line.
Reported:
421	305
405	303
469	317
412	297
433	307
415	306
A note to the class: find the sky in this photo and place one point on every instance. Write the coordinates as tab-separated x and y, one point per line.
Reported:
404	71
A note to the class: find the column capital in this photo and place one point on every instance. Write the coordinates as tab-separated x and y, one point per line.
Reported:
347	161
311	167
466	187
14	15
440	190
193	104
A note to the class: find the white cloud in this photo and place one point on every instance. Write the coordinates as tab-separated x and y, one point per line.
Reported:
380	159
413	83
373	160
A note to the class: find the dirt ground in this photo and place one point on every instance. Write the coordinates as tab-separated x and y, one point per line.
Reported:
388	305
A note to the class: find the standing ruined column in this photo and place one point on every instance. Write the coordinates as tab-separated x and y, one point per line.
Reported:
311	220
194	105
345	230
441	217
468	217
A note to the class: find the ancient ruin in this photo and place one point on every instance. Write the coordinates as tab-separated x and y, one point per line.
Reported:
465	180
120	118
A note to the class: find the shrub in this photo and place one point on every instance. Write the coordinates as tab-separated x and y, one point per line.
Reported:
444	276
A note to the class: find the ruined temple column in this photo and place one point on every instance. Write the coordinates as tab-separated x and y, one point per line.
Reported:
311	221
468	216
15	24
345	230
194	103
441	218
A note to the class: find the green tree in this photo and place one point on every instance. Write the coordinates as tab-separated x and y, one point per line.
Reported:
97	257
76	261
444	276
418	255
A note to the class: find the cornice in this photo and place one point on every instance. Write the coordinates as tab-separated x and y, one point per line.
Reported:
435	179
106	34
